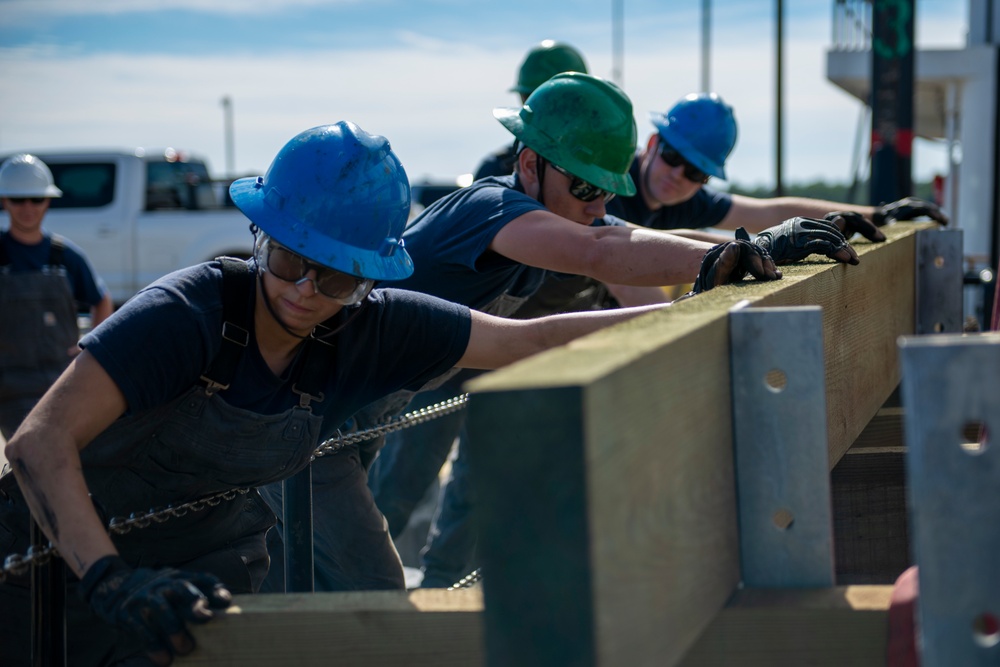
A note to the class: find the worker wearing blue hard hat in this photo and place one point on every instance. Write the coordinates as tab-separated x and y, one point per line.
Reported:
224	378
692	142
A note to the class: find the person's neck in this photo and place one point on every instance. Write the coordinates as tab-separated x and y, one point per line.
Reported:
26	236
276	346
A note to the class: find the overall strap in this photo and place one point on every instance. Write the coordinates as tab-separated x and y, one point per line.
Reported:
237	286
315	368
56	250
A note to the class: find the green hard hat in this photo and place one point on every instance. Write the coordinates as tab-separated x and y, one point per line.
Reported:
581	123
545	61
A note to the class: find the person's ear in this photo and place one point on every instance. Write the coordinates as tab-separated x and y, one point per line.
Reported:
651	143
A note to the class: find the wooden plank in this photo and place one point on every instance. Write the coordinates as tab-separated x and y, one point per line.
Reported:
360	629
646	405
822	628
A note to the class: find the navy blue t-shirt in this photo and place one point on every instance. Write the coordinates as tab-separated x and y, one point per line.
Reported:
706	208
86	286
449	242
163	339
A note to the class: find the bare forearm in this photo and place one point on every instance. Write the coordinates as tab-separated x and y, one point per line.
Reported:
647	257
756	215
495	342
52	481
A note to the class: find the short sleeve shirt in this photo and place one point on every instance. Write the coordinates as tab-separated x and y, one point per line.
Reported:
706	208
161	341
87	288
449	242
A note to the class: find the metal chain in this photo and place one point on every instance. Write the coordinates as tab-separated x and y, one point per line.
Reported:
17	564
468	581
335	444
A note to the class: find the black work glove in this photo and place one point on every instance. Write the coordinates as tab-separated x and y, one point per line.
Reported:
909	208
155	604
850	223
797	238
730	262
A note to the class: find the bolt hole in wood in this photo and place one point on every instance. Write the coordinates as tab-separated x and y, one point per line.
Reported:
782	519
974	438
986	630
776	380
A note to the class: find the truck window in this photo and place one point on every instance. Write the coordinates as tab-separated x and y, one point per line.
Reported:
176	184
84	185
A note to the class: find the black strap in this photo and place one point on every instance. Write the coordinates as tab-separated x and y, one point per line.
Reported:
237	309
56	250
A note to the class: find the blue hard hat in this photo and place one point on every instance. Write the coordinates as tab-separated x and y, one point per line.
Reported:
703	130
338	196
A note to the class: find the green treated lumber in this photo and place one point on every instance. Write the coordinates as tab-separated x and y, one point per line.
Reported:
637	419
830	627
427	627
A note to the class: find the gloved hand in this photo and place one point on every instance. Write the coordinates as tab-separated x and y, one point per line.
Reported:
850	223
155	604
797	238
730	262
908	208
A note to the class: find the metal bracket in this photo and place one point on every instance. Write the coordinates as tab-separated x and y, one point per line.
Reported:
939	281
780	439
951	391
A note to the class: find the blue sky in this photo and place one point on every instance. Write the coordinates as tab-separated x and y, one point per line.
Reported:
424	73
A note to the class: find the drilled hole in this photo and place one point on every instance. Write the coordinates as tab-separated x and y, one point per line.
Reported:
975	439
938	262
986	630
776	380
782	519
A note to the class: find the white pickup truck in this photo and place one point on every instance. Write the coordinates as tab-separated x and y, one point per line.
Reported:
140	215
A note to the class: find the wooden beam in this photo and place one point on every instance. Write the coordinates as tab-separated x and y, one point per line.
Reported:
604	468
429	627
822	628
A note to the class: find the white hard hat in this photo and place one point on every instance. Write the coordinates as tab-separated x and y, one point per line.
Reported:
26	176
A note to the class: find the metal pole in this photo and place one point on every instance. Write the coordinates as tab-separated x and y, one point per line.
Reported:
706	46
779	188
618	42
298	522
48	608
227	122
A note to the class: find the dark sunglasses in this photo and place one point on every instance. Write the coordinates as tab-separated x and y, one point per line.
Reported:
21	200
581	189
285	265
670	155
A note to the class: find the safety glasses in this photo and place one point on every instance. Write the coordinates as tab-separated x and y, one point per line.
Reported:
670	155
285	265
21	200
581	189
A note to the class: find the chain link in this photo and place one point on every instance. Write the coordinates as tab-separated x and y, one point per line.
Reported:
468	581
16	564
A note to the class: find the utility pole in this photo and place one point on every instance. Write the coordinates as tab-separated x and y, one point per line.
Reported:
706	46
779	187
618	42
227	124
